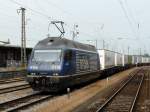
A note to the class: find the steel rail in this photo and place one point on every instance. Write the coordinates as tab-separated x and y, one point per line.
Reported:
3	79
14	88
137	93
6	104
11	80
27	105
23	102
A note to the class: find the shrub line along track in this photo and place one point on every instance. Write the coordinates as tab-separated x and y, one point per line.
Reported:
120	97
14	88
12	80
23	102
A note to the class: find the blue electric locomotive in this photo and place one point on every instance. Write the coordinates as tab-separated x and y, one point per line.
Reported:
59	63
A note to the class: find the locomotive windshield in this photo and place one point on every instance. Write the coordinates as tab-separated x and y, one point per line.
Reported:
47	56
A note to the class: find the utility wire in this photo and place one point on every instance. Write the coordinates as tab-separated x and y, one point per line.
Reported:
35	11
137	25
44	15
130	12
127	17
56	6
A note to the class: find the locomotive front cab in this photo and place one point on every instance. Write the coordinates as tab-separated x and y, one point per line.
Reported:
47	69
45	62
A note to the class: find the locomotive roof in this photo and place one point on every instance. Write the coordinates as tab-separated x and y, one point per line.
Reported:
58	43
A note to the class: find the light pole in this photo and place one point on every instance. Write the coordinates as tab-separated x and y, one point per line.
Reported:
74	32
128	50
103	44
23	36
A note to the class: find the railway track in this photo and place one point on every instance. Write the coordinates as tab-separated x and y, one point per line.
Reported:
123	99
23	102
12	80
14	88
143	101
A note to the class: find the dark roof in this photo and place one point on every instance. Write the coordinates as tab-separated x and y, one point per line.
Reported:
58	43
112	51
11	46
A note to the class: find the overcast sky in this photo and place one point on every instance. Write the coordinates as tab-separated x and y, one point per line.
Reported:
121	23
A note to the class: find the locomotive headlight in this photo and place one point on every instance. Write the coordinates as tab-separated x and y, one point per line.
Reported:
33	67
33	73
55	74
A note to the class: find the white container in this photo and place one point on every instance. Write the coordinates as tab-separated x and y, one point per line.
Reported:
125	60
133	59
148	59
107	58
145	59
118	59
136	59
139	59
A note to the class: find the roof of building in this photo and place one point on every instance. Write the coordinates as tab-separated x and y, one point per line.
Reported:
11	46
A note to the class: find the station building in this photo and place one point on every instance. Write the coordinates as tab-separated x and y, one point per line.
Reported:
10	55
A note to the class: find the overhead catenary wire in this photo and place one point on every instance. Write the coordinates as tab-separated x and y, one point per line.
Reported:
40	13
134	19
127	17
130	12
38	5
33	10
59	8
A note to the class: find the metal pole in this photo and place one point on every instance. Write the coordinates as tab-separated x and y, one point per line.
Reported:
128	49
140	52
23	38
103	44
96	43
128	53
74	32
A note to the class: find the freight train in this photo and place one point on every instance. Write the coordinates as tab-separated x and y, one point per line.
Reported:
58	63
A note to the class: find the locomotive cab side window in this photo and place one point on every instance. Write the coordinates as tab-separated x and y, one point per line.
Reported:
68	55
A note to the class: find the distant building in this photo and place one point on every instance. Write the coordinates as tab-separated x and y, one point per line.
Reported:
10	55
